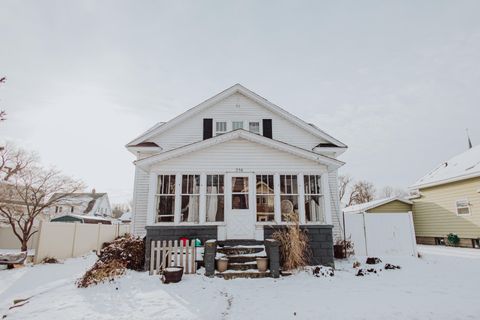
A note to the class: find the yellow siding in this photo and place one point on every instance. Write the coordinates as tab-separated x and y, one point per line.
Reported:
435	214
392	207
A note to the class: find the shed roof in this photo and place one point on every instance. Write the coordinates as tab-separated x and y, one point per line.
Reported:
358	208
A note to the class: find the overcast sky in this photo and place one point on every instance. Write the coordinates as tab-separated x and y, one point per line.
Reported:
398	82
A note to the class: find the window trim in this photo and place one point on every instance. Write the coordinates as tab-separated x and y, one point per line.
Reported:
238	121
217	133
463	207
259	127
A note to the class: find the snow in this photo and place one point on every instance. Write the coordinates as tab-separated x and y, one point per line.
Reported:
462	166
443	284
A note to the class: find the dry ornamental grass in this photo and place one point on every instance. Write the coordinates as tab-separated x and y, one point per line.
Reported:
294	247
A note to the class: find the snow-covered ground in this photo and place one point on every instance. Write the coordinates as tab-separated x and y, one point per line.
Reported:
443	284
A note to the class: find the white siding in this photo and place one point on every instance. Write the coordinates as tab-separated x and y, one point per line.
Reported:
235	108
140	202
239	154
335	206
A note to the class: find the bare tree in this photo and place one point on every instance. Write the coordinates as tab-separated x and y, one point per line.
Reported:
3	114
13	160
26	192
389	191
344	182
362	191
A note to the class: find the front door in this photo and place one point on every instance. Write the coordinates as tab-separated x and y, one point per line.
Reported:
240	206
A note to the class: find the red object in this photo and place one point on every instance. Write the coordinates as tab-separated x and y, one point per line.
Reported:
184	241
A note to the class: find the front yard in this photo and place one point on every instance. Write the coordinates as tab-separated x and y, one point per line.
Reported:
443	284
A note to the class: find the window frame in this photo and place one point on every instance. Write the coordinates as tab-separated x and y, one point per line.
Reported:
265	195
318	192
187	194
467	206
217	132
221	222
259	127
290	194
238	121
159	192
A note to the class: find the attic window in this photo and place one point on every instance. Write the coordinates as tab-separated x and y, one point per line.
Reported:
254	127
220	127
463	207
237	125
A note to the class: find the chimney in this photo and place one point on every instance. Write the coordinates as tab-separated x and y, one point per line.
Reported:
93	191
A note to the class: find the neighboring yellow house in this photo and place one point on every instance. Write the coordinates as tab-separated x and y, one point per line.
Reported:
447	200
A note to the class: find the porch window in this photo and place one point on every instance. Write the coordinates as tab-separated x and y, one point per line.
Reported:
254	127
240	193
165	197
313	198
215	198
237	125
288	196
190	198
220	127
265	198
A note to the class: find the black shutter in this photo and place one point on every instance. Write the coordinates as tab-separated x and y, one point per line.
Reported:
267	128
207	128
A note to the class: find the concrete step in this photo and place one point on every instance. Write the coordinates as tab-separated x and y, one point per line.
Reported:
240	250
242	266
233	243
228	275
241	259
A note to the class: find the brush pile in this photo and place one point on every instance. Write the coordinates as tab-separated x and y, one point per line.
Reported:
123	253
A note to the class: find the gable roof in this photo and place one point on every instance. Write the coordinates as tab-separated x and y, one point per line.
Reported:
358	208
243	134
237	88
463	166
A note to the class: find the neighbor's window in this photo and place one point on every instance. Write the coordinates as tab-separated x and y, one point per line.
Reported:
72	209
288	196
237	125
240	193
265	198
165	198
463	207
215	198
254	127
220	127
190	198
313	198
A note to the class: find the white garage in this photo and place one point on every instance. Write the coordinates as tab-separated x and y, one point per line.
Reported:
381	227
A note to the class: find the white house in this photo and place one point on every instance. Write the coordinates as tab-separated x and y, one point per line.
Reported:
85	204
231	168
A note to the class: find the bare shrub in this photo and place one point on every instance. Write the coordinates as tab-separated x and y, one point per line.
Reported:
294	247
50	260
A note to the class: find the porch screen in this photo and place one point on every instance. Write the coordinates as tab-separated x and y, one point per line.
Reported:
215	198
240	193
289	196
265	198
313	198
190	198
165	198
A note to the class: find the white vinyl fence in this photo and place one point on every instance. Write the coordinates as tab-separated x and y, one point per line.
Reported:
62	240
8	240
380	234
166	254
